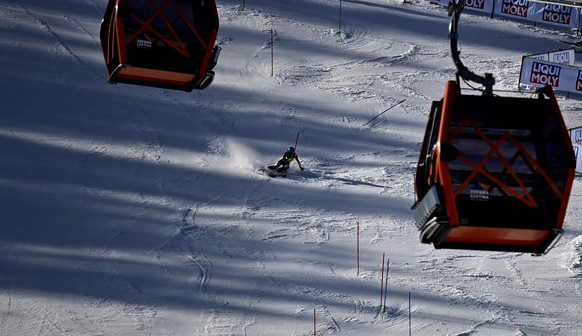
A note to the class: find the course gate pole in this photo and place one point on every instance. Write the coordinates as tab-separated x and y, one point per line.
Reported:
382	280
358	248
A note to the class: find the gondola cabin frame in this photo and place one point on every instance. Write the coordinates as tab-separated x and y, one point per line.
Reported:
494	173
161	43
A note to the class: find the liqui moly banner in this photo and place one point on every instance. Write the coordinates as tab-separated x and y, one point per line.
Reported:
513	8
558	15
565	56
485	6
561	77
576	136
578	154
538	72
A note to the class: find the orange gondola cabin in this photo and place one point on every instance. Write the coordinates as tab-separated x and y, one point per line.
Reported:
161	43
494	173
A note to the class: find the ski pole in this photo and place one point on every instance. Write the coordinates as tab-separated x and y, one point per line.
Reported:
296	143
296	140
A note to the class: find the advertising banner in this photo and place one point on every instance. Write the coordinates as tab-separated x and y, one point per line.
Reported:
578	154
561	77
557	15
565	56
485	6
576	136
551	14
517	9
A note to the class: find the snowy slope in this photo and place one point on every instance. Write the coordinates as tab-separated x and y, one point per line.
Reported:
127	210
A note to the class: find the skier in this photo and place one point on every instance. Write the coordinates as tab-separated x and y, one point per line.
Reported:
284	162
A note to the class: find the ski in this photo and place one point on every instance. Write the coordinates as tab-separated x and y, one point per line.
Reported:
272	171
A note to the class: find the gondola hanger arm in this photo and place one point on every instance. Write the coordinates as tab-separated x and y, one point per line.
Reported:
455	9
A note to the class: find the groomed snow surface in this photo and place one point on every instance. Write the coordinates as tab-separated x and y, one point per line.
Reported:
127	210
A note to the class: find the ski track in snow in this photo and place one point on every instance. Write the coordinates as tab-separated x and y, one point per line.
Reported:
260	257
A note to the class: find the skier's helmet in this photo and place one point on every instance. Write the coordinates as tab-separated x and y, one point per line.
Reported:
291	149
